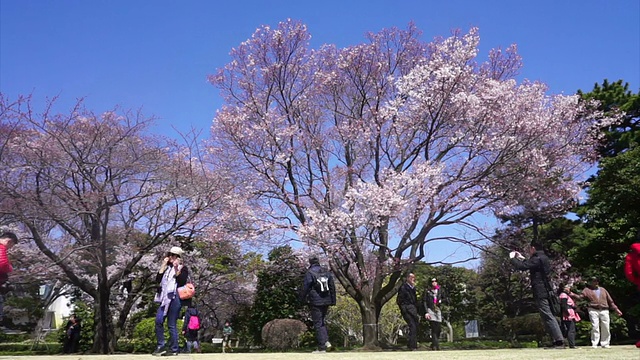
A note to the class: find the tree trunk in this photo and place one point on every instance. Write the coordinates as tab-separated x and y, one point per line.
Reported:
449	331
370	315
105	338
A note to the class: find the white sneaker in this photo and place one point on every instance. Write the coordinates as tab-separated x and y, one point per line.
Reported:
594	346
606	346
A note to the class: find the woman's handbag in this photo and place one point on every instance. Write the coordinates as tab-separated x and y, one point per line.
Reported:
187	291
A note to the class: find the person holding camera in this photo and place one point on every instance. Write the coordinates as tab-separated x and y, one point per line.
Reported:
539	268
7	241
171	275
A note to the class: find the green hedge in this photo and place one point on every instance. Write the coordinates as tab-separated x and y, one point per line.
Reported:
27	348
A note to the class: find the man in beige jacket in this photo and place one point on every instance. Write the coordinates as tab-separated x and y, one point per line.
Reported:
599	304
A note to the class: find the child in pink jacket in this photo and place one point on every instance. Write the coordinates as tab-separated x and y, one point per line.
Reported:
569	316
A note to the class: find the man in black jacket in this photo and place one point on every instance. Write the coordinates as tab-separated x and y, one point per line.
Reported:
319	291
407	300
539	268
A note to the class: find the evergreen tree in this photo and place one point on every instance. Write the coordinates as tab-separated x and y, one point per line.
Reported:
277	291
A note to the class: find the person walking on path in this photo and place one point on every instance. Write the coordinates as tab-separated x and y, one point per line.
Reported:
408	303
539	268
227	331
433	299
599	303
319	291
190	329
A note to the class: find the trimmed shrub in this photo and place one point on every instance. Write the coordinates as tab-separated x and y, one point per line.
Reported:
282	334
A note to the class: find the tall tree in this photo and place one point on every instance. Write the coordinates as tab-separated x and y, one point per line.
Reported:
96	196
364	151
611	213
615	97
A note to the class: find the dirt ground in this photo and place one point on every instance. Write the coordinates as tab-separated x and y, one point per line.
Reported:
628	352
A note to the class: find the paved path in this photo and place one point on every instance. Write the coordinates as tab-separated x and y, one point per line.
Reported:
627	352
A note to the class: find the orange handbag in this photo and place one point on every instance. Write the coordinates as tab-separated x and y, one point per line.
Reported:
187	291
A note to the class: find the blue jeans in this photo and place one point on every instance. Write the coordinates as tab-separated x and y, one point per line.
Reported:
172	320
192	345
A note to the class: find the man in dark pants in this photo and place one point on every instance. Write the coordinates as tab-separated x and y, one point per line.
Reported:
319	291
539	268
407	300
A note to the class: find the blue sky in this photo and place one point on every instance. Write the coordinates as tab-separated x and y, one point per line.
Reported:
156	55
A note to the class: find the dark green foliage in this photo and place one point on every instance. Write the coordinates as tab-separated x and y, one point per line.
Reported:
13	349
616	96
501	291
611	214
528	324
277	291
459	285
618	328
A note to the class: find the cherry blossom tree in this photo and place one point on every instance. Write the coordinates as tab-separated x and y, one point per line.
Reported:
364	151
101	201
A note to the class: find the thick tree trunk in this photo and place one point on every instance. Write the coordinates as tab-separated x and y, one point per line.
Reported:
370	315
104	339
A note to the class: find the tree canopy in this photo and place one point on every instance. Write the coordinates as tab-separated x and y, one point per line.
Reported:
363	151
97	196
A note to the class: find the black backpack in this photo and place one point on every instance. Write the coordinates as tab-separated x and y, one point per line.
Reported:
321	281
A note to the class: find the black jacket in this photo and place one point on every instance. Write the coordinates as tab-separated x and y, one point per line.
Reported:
539	268
427	299
407	295
309	293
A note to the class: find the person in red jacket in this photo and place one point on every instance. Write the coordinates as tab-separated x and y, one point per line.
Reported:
632	264
632	267
7	241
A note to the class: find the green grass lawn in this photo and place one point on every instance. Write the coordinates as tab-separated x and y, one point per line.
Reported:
626	352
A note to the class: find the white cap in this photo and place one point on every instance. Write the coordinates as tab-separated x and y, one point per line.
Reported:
176	250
